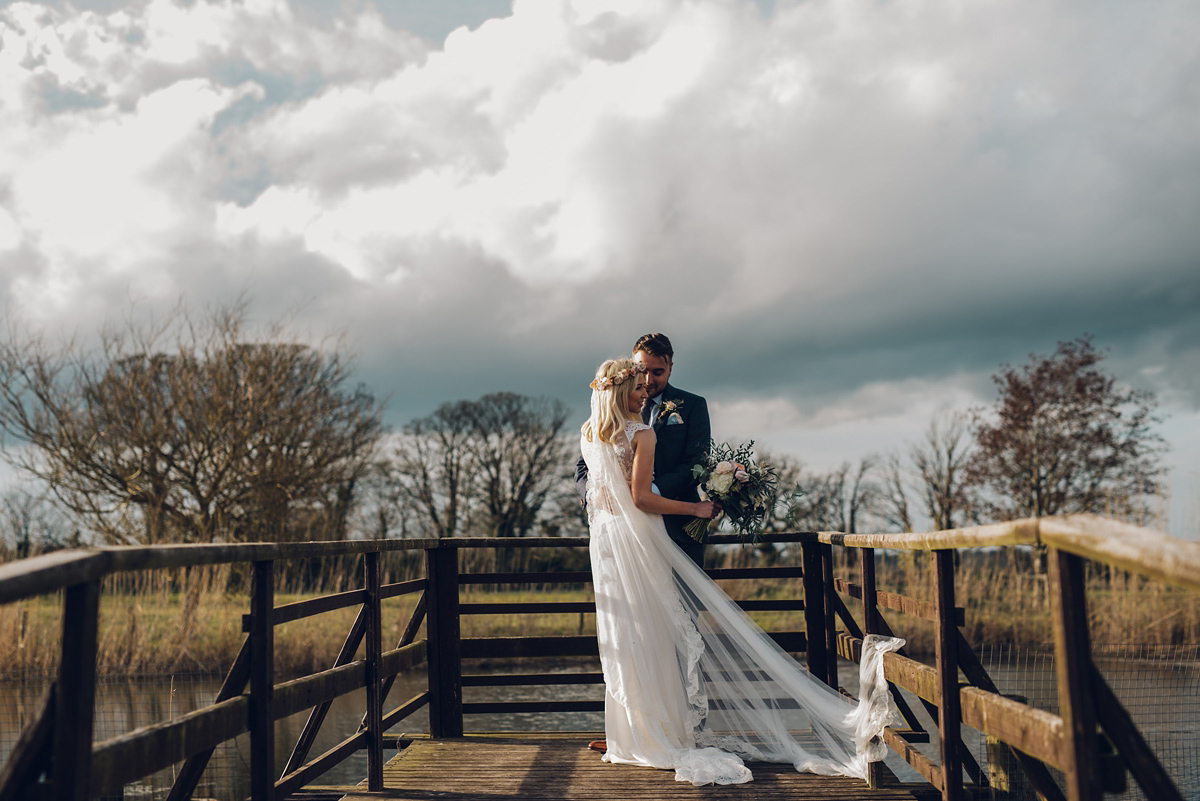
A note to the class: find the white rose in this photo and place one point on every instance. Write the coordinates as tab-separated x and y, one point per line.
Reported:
723	467
720	482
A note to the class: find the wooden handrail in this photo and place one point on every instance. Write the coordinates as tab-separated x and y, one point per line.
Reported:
1064	742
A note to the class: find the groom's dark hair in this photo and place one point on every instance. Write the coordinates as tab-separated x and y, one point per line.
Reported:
655	345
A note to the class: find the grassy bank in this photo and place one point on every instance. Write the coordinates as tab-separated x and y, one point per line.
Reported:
163	624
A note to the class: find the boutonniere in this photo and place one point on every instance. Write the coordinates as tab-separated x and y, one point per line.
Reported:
669	413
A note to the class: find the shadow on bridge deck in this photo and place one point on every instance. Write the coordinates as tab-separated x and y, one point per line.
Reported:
559	766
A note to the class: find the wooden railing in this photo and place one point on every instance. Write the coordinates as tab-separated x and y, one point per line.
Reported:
56	758
1091	719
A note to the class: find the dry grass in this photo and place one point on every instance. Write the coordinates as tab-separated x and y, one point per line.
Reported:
166	622
1006	600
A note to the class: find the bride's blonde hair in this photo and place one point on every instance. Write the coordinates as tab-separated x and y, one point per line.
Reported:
615	381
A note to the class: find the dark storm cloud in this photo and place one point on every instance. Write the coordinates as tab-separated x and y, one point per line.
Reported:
844	213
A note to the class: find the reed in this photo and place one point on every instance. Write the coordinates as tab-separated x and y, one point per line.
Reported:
169	621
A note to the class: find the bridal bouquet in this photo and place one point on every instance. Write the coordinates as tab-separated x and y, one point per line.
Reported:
745	490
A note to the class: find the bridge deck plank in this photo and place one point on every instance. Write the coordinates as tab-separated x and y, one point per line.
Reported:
559	766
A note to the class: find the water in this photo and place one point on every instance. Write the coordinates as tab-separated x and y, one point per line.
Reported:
1160	689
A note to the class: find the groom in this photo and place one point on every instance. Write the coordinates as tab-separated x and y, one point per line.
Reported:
680	422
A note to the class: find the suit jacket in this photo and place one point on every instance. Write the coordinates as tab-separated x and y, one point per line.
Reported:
679	447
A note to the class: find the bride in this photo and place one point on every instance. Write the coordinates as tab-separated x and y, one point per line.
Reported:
691	683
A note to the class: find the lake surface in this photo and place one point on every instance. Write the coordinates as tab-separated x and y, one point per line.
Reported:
1160	689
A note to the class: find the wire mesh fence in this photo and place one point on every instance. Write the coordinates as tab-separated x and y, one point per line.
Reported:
1159	685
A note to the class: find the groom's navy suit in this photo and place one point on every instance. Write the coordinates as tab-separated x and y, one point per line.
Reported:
681	444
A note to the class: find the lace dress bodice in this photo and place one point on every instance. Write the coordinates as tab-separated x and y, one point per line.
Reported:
625	449
599	498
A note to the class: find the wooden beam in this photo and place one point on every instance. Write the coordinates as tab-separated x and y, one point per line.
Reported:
131	756
402	588
1138	756
189	775
1034	769
374	715
316	717
262	682
30	754
1015	532
579	577
298	778
830	622
946	655
1073	670
286	613
814	611
900	603
1143	551
445	648
74	707
404	710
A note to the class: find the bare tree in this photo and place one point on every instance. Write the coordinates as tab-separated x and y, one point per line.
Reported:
940	462
485	466
836	500
431	466
789	484
892	500
190	430
1064	437
30	524
519	450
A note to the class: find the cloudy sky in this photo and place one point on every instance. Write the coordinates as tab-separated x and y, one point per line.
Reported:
847	214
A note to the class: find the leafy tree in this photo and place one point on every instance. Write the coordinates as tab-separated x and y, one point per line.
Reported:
190	431
1065	437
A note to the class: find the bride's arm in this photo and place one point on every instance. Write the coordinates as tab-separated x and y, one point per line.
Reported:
644	497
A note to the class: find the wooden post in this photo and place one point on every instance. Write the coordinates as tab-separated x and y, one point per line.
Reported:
76	694
1005	775
946	646
866	560
262	682
831	666
814	609
442	627
1073	669
374	612
866	564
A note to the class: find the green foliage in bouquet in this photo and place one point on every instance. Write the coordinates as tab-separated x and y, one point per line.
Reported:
744	489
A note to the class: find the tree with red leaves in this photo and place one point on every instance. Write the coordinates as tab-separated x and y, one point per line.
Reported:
1064	437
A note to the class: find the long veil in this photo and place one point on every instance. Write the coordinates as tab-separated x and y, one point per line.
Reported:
690	679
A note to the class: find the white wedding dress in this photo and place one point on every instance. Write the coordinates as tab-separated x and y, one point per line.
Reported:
693	684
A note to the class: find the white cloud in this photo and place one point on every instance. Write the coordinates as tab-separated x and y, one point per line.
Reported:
837	211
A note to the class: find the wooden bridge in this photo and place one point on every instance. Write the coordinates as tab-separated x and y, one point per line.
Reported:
1092	742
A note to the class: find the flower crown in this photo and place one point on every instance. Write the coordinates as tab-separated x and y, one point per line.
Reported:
610	381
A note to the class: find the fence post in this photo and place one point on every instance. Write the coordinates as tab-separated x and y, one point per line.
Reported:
374	686
1073	670
442	626
262	682
814	609
76	693
866	563
831	666
950	711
